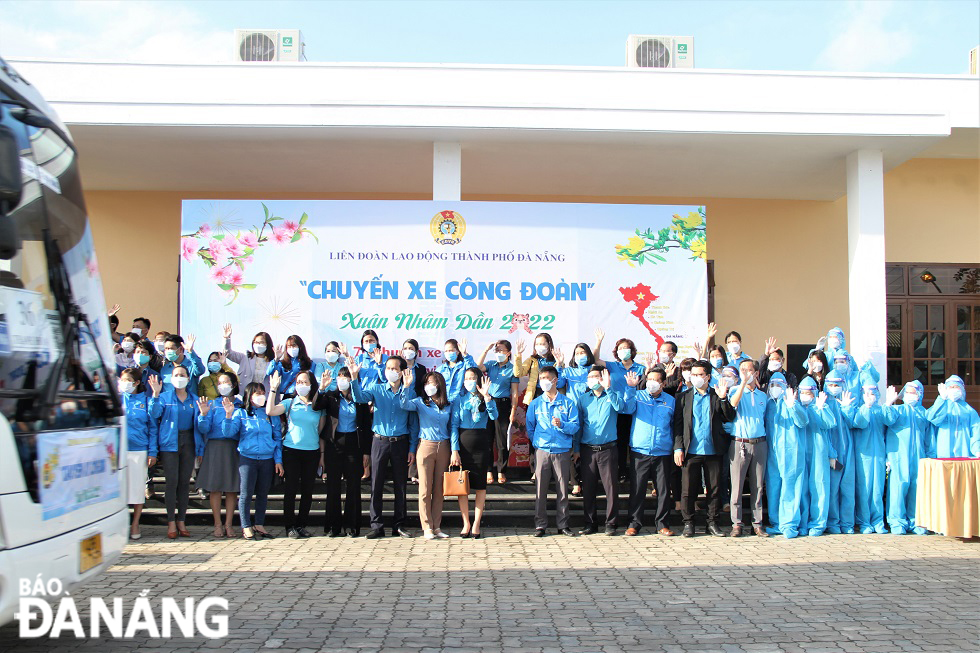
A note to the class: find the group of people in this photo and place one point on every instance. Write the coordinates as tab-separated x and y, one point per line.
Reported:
817	449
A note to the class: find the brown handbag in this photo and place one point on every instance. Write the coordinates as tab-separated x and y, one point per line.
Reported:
455	484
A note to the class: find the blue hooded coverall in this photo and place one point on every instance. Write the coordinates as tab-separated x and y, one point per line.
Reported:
957	424
868	428
815	503
840	519
908	438
786	465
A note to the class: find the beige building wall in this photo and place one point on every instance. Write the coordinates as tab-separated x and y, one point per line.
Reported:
769	279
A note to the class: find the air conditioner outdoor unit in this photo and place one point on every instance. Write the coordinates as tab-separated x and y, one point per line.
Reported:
644	51
269	45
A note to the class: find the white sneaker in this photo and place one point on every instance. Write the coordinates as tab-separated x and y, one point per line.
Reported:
441	535
429	535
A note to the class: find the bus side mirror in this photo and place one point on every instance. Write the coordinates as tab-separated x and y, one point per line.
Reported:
10	189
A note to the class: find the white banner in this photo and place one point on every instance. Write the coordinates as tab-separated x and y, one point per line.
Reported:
78	468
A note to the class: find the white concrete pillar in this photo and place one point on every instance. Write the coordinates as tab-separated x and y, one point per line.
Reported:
447	171
867	335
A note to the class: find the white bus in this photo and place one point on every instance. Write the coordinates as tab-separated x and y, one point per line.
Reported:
63	513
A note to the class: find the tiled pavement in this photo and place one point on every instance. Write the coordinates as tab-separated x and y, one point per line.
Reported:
512	592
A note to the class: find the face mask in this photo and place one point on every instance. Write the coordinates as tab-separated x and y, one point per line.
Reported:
716	363
138	332
776	391
431	390
806	400
593	383
370	347
653	387
141	358
179	382
816	366
954	394
546	384
214	367
726	382
734	348
686	375
128	346
541	350
625	354
258	401
775	366
911	398
841	368
258	349
170	355
698	381
665	357
408	354
332	356
293	352
833	343
126	387
159	346
869	399
343	384
224	389
392	375
501	356
582	360
451	356
833	390
302	390
470	385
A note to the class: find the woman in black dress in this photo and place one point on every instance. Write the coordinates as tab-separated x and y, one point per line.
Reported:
472	413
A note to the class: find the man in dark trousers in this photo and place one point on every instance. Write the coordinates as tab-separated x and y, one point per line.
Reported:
700	444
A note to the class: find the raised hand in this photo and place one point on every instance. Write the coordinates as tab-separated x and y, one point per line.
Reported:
325	379
721	390
519	346
821	400
280	351
698	349
712	332
115	309
189	342
669	368
353	367
274	381
770	346
408	376
606	380
821	343
155	383
559	358
942	390
789	396
632	378
846	398
648	360
226	330
484	387
891	395
462	348
599	335
222	358
228	405
376	355
203	405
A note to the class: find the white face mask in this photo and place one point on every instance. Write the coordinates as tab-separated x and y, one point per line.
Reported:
686	375
624	354
258	401
911	398
258	349
833	390
665	357
698	381
392	375
332	356
470	385
869	398
128	346
293	352
726	381
343	384
546	384
954	394
159	346
302	390
775	366
653	387
501	356
138	332
224	389
408	354
776	391
816	366
126	387
593	384
179	382
431	390
833	342
805	399
734	348
541	350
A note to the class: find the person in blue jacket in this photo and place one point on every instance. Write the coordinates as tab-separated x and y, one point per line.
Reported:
595	445
840	519
820	455
552	420
332	362
574	377
141	440
454	364
176	411
867	424
470	423
177	351
504	388
909	437
651	448
291	359
260	451
956	422
219	463
733	343
785	423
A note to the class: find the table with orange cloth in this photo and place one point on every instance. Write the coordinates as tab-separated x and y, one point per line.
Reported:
948	496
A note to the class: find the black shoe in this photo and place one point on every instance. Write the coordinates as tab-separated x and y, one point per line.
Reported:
375	534
540	532
265	536
292	533
401	532
303	533
352	533
610	530
567	531
688	530
588	530
714	530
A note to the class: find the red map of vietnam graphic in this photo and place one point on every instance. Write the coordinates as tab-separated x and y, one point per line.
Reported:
641	297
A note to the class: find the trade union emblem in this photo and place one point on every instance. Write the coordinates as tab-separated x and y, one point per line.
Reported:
447	227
